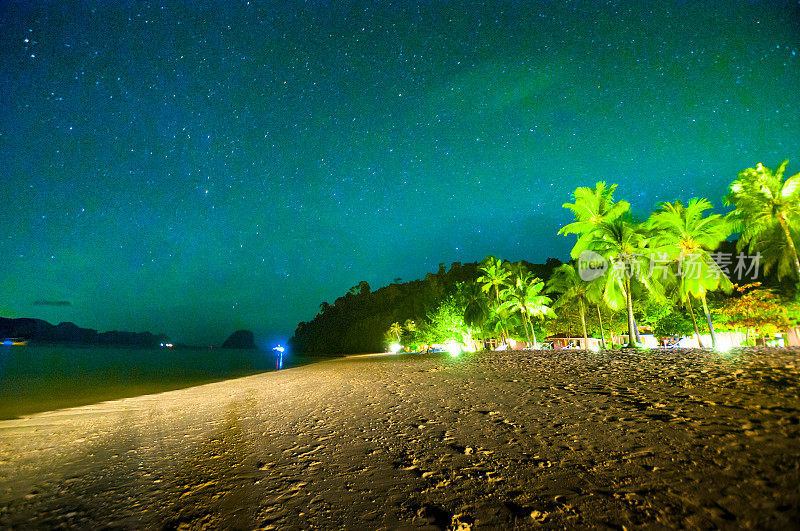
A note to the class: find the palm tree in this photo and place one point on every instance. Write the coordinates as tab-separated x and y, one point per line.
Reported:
566	281
495	274
592	207
688	304
523	296
767	206
624	244
594	295
396	329
674	294
476	310
502	322
683	236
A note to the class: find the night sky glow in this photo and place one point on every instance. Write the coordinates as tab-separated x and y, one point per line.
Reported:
195	168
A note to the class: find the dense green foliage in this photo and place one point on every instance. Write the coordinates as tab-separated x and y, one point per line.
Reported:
361	320
767	212
666	273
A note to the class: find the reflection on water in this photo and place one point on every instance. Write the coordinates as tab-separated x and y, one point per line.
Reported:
42	378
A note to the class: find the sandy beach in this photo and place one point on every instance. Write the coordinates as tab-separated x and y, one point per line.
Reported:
660	438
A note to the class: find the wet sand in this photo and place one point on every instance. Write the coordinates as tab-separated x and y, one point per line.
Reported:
678	438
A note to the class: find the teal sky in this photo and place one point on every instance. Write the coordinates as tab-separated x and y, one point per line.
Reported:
195	168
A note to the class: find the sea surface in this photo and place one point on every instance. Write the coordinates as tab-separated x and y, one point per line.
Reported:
43	378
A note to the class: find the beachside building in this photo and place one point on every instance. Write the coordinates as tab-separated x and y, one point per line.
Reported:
560	341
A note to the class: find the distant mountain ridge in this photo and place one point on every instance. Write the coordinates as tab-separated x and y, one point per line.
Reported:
40	331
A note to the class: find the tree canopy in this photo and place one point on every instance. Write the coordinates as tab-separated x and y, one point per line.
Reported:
625	270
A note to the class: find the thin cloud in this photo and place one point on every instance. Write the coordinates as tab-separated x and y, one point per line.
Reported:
51	303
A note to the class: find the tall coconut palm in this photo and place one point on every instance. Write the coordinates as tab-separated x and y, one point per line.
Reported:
524	296
623	244
494	275
395	329
592	206
767	214
685	236
512	296
566	281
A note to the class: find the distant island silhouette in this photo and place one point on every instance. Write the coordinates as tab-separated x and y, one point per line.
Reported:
241	339
39	331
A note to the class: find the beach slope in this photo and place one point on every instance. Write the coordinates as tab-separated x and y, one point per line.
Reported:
680	438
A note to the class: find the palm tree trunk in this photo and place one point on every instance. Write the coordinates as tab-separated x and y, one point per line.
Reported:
525	326
502	328
785	227
530	323
710	324
533	332
629	302
602	334
694	321
583	322
636	331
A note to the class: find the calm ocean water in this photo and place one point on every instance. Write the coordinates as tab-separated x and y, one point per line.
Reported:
43	378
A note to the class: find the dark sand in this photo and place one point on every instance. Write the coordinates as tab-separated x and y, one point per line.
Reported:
656	439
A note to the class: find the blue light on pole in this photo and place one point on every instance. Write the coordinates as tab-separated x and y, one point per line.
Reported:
279	364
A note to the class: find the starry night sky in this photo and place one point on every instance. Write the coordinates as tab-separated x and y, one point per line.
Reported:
195	168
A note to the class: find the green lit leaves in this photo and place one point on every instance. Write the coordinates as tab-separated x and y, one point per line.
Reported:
766	207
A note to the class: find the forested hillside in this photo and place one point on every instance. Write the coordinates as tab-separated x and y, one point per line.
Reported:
358	321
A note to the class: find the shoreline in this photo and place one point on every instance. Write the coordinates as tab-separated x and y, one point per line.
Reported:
666	437
39	378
